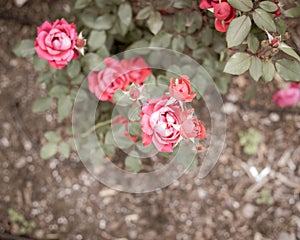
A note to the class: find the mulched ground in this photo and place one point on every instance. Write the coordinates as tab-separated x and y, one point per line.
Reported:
66	202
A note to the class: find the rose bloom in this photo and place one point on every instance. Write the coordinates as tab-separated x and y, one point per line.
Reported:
208	3
117	76
56	43
161	123
287	97
192	128
181	89
224	14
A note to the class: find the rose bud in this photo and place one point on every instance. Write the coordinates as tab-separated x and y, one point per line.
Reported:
181	89
80	43
134	93
275	42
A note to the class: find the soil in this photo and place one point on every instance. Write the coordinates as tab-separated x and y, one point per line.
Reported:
66	202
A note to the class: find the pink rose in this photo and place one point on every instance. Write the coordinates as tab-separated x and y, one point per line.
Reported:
224	14
192	128
287	97
208	3
56	43
117	76
181	89
161	123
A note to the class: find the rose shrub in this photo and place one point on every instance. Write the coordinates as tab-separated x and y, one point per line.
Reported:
228	37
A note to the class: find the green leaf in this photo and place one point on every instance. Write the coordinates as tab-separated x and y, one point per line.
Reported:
52	136
162	40
238	63
264	20
121	140
139	44
73	68
280	25
191	42
109	138
182	3
42	104
96	39
255	68
155	22
144	13
268	71
253	43
179	22
134	113
109	150
133	164
288	70
292	12
44	77
38	63
238	31
242	5
58	91
64	107
78	79
222	82
118	95
90	61
288	50
268	6
24	48
134	128
48	150
79	4
104	22
64	149
125	13
178	43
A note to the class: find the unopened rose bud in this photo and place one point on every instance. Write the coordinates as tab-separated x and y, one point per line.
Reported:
275	42
265	43
163	12
277	13
80	43
134	93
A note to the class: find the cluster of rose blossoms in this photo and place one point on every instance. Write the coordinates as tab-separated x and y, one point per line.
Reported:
224	12
165	121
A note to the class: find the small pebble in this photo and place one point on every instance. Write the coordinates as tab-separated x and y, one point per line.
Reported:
274	117
20	3
229	108
248	210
